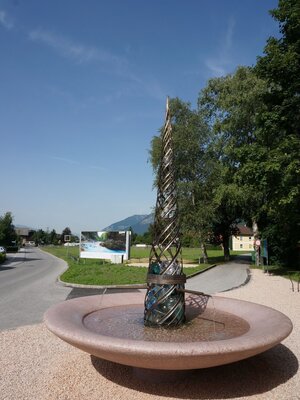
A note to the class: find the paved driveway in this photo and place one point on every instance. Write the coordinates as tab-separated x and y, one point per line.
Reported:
222	277
28	287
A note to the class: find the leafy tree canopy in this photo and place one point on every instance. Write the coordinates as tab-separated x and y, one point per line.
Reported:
279	134
8	235
65	232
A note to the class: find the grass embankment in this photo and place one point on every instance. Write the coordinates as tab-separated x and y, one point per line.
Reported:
100	272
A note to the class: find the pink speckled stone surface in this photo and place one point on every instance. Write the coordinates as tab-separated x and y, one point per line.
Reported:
267	327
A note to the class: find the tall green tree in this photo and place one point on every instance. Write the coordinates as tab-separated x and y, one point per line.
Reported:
230	105
39	237
193	169
8	236
53	237
279	135
65	232
254	114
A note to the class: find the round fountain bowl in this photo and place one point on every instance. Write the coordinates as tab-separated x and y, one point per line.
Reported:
218	331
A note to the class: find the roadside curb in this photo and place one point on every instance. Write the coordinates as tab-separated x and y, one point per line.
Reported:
247	280
81	286
133	286
203	270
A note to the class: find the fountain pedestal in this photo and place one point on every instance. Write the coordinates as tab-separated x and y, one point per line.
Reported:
264	327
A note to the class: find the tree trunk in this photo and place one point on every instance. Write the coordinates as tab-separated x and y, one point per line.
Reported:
203	253
226	247
256	247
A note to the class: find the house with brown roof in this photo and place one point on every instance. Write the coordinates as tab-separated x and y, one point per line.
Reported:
24	233
244	239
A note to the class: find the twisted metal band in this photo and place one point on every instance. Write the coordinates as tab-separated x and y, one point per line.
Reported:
164	304
166	245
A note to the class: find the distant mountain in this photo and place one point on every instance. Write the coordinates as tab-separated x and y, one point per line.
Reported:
138	223
24	227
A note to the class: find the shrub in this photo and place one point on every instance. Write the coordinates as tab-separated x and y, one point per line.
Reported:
12	249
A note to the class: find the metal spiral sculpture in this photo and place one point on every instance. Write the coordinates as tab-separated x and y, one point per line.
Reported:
164	302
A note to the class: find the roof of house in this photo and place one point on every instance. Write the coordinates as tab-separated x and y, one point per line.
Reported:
23	231
244	230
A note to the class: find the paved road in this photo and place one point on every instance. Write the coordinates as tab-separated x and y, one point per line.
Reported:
221	278
28	287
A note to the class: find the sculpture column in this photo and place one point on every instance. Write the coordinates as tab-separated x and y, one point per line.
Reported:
164	304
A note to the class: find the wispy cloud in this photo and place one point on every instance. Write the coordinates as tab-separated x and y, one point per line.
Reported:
228	41
74	162
149	85
112	63
5	20
76	51
215	67
97	167
65	160
221	63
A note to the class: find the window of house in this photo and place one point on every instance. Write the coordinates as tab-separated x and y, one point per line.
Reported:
241	245
250	237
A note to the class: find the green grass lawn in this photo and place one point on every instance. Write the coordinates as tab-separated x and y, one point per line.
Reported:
189	254
101	272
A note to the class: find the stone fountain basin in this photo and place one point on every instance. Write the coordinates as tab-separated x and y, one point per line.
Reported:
267	327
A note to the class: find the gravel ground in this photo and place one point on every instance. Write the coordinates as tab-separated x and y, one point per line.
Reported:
36	365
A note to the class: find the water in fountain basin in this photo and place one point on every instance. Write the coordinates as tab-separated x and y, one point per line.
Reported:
126	322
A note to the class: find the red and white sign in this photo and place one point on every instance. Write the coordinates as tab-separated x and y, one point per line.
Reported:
257	242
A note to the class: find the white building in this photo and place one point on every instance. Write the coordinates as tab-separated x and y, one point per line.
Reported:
243	240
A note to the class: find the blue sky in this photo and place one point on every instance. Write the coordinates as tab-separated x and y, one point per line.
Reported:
83	86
